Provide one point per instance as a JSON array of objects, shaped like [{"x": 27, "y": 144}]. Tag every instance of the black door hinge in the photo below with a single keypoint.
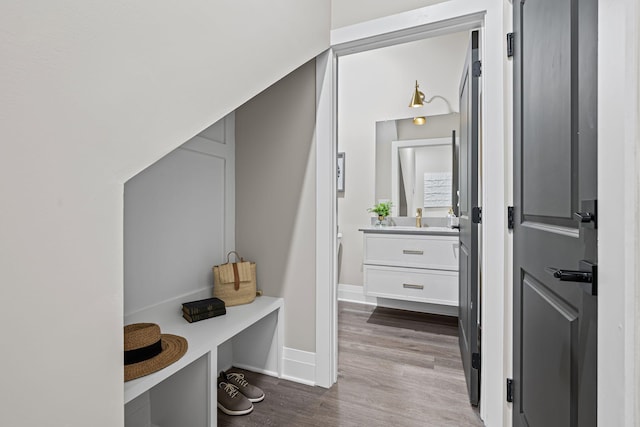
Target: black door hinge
[
  {"x": 509, "y": 390},
  {"x": 510, "y": 45},
  {"x": 477, "y": 68},
  {"x": 476, "y": 215},
  {"x": 510, "y": 223},
  {"x": 475, "y": 360}
]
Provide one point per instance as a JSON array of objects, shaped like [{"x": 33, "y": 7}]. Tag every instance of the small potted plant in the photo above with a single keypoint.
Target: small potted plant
[{"x": 383, "y": 210}]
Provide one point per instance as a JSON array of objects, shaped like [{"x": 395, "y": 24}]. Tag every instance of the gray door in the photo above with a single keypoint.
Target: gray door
[
  {"x": 468, "y": 200},
  {"x": 555, "y": 213}
]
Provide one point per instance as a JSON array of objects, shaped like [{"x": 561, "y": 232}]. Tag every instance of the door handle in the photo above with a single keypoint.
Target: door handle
[
  {"x": 587, "y": 276},
  {"x": 571, "y": 275},
  {"x": 588, "y": 214},
  {"x": 584, "y": 217}
]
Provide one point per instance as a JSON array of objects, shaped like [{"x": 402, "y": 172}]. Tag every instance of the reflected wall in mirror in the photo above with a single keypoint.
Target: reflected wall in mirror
[{"x": 414, "y": 165}]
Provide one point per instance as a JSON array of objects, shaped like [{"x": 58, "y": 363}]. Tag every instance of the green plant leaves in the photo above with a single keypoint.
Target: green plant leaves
[{"x": 383, "y": 209}]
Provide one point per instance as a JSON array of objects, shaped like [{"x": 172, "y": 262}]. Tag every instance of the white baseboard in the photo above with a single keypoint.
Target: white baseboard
[
  {"x": 299, "y": 366},
  {"x": 354, "y": 293},
  {"x": 256, "y": 370}
]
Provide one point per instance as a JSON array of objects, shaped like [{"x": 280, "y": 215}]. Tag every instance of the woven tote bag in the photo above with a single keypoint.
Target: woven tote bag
[{"x": 235, "y": 282}]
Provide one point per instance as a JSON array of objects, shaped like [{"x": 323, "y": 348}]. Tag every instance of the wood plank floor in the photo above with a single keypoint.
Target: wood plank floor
[{"x": 395, "y": 368}]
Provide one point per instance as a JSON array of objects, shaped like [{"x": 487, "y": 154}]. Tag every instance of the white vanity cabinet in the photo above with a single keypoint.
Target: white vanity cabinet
[{"x": 412, "y": 265}]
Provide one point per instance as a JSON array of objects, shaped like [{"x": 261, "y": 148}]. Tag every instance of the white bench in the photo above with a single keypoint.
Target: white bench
[{"x": 184, "y": 393}]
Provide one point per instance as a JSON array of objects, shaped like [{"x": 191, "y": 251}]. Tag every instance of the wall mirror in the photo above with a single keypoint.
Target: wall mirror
[{"x": 415, "y": 165}]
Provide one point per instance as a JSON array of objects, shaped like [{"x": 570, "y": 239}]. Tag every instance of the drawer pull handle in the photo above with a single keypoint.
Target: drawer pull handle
[
  {"x": 410, "y": 286},
  {"x": 412, "y": 252}
]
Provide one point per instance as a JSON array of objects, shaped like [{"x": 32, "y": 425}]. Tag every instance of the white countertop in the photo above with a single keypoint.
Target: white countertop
[{"x": 396, "y": 229}]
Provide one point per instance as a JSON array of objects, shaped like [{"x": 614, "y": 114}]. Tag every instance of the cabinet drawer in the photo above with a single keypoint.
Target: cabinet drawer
[
  {"x": 438, "y": 252},
  {"x": 432, "y": 286}
]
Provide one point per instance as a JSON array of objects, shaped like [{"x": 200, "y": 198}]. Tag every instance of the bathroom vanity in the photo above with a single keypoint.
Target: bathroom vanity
[{"x": 411, "y": 264}]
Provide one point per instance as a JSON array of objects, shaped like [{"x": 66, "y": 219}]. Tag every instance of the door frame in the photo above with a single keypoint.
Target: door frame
[{"x": 431, "y": 21}]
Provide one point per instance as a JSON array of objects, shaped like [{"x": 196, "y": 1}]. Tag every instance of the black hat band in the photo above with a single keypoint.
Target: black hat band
[{"x": 143, "y": 353}]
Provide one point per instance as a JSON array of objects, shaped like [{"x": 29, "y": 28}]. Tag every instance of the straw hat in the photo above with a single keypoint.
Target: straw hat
[{"x": 146, "y": 350}]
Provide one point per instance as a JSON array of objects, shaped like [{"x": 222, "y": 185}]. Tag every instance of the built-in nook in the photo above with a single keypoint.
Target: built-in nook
[
  {"x": 178, "y": 223},
  {"x": 245, "y": 183}
]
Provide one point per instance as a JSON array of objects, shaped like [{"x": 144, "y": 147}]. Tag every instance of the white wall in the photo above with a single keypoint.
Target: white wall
[
  {"x": 377, "y": 85},
  {"x": 348, "y": 12},
  {"x": 275, "y": 197},
  {"x": 618, "y": 210},
  {"x": 92, "y": 93}
]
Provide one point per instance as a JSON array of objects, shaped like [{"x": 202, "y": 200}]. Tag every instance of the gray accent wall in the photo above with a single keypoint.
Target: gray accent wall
[{"x": 275, "y": 197}]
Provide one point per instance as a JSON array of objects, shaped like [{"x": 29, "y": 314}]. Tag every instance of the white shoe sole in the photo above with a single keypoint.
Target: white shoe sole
[
  {"x": 256, "y": 400},
  {"x": 230, "y": 412}
]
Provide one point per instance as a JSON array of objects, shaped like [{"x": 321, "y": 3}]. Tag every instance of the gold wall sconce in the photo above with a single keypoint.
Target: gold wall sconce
[{"x": 417, "y": 101}]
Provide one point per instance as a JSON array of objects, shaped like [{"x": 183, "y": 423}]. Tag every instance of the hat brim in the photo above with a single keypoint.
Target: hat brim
[{"x": 173, "y": 348}]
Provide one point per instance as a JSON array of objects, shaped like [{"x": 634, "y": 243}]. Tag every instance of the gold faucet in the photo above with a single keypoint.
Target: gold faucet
[{"x": 419, "y": 217}]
